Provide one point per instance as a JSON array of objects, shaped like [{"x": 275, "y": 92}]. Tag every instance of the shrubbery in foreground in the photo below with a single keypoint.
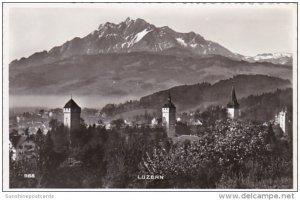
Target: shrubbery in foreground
[{"x": 235, "y": 155}]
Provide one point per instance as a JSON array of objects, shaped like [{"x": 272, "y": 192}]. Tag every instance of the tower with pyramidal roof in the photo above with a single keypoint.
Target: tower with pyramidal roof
[
  {"x": 72, "y": 115},
  {"x": 169, "y": 117}
]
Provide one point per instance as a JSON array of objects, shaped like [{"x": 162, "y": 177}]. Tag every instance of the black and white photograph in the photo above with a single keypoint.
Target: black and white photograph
[{"x": 147, "y": 96}]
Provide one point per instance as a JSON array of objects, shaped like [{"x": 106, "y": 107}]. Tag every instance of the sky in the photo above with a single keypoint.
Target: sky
[{"x": 248, "y": 29}]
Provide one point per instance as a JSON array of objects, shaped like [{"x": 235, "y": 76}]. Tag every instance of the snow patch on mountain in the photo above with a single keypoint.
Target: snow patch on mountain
[
  {"x": 140, "y": 35},
  {"x": 276, "y": 58},
  {"x": 193, "y": 45},
  {"x": 123, "y": 44},
  {"x": 181, "y": 41},
  {"x": 271, "y": 56},
  {"x": 111, "y": 35}
]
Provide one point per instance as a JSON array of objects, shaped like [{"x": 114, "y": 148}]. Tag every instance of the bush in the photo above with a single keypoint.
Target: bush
[{"x": 233, "y": 152}]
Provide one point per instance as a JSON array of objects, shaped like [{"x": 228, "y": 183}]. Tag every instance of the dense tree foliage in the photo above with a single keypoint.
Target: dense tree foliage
[
  {"x": 233, "y": 149},
  {"x": 227, "y": 154},
  {"x": 264, "y": 107},
  {"x": 113, "y": 109},
  {"x": 50, "y": 151}
]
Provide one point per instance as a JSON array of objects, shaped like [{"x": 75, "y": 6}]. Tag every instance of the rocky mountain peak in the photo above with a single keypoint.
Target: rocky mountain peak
[{"x": 135, "y": 35}]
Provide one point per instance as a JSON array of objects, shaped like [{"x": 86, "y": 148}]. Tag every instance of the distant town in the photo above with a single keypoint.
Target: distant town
[{"x": 29, "y": 132}]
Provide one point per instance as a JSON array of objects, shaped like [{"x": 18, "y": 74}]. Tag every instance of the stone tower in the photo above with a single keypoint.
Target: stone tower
[
  {"x": 72, "y": 115},
  {"x": 169, "y": 117},
  {"x": 233, "y": 107},
  {"x": 282, "y": 120}
]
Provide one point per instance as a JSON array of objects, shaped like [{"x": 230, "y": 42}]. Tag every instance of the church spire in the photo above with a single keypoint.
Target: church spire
[
  {"x": 233, "y": 100},
  {"x": 233, "y": 95},
  {"x": 169, "y": 104},
  {"x": 169, "y": 98}
]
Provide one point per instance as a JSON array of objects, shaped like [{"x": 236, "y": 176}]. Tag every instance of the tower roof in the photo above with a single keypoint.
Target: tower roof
[
  {"x": 233, "y": 103},
  {"x": 71, "y": 104},
  {"x": 169, "y": 104}
]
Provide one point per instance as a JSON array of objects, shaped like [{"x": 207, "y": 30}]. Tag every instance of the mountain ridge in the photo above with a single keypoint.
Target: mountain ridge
[
  {"x": 136, "y": 66},
  {"x": 128, "y": 36},
  {"x": 282, "y": 58},
  {"x": 201, "y": 95},
  {"x": 135, "y": 73},
  {"x": 137, "y": 36}
]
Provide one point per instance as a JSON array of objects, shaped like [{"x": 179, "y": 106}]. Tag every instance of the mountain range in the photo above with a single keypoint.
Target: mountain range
[
  {"x": 135, "y": 58},
  {"x": 276, "y": 58},
  {"x": 139, "y": 36},
  {"x": 129, "y": 36}
]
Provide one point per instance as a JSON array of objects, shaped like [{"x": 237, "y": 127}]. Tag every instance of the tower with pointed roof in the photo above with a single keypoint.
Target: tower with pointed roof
[
  {"x": 233, "y": 107},
  {"x": 72, "y": 115},
  {"x": 169, "y": 117}
]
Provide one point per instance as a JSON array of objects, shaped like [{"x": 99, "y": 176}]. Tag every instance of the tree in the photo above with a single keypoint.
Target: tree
[
  {"x": 26, "y": 131},
  {"x": 109, "y": 109},
  {"x": 13, "y": 133},
  {"x": 54, "y": 124},
  {"x": 118, "y": 123},
  {"x": 41, "y": 111},
  {"x": 182, "y": 129},
  {"x": 225, "y": 151},
  {"x": 211, "y": 115},
  {"x": 50, "y": 159}
]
